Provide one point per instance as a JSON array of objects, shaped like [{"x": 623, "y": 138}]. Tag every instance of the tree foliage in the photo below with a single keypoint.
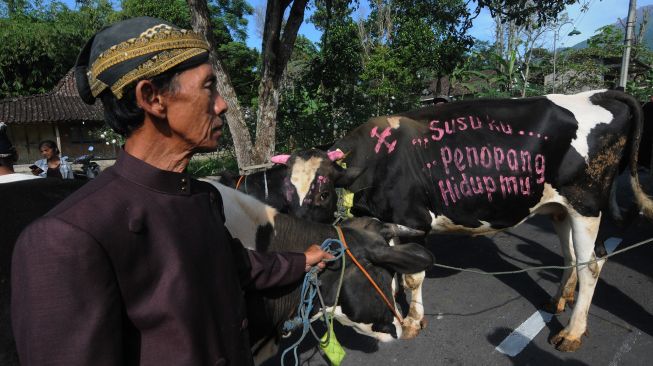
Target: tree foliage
[{"x": 39, "y": 43}]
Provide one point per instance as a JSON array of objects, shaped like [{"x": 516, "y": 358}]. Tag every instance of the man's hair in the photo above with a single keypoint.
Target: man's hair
[{"x": 123, "y": 115}]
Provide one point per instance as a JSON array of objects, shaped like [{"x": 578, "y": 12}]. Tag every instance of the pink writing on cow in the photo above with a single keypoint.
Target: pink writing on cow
[
  {"x": 499, "y": 126},
  {"x": 450, "y": 127},
  {"x": 489, "y": 157},
  {"x": 539, "y": 168},
  {"x": 452, "y": 191},
  {"x": 382, "y": 139}
]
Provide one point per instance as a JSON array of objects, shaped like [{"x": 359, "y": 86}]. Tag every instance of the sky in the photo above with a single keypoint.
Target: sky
[{"x": 600, "y": 13}]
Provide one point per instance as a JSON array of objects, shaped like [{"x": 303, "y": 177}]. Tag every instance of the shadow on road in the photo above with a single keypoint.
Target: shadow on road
[
  {"x": 531, "y": 355},
  {"x": 484, "y": 254}
]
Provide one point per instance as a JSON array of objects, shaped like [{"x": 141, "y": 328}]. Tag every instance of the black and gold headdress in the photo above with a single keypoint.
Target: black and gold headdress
[{"x": 132, "y": 50}]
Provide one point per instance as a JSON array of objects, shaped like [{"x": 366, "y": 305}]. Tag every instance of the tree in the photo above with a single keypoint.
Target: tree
[
  {"x": 40, "y": 43},
  {"x": 387, "y": 77},
  {"x": 522, "y": 11},
  {"x": 278, "y": 42}
]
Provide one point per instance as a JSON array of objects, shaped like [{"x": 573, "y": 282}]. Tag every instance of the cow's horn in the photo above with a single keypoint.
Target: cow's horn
[
  {"x": 404, "y": 231},
  {"x": 280, "y": 159}
]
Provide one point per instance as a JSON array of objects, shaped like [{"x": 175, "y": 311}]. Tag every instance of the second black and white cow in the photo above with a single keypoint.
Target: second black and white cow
[
  {"x": 263, "y": 228},
  {"x": 302, "y": 184},
  {"x": 481, "y": 166}
]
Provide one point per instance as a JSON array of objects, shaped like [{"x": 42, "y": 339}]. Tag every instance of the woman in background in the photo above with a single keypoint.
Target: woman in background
[{"x": 51, "y": 166}]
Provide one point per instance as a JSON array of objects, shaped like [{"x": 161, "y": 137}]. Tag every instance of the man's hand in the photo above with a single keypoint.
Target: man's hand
[{"x": 316, "y": 256}]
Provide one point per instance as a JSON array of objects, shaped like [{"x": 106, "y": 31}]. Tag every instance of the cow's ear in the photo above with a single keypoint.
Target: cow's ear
[
  {"x": 280, "y": 159},
  {"x": 404, "y": 258},
  {"x": 348, "y": 177}
]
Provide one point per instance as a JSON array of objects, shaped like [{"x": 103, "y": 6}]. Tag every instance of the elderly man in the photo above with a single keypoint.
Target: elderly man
[{"x": 136, "y": 267}]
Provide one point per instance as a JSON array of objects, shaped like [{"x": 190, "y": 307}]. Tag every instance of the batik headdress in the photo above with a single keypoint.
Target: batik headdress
[{"x": 135, "y": 49}]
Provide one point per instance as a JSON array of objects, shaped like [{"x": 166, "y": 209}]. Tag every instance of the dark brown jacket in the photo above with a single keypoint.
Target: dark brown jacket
[{"x": 136, "y": 268}]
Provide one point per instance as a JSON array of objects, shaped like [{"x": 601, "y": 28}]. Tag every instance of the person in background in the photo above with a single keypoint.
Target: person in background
[
  {"x": 51, "y": 166},
  {"x": 8, "y": 157},
  {"x": 137, "y": 267}
]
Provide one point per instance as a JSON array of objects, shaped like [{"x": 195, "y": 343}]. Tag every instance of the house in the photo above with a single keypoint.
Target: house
[{"x": 59, "y": 115}]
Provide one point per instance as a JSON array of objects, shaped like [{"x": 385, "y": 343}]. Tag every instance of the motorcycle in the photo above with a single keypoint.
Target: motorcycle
[{"x": 89, "y": 169}]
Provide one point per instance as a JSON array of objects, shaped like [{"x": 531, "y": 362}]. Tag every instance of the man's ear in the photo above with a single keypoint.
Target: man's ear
[{"x": 150, "y": 99}]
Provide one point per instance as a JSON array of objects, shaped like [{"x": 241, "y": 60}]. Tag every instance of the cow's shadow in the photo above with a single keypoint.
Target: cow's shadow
[{"x": 486, "y": 254}]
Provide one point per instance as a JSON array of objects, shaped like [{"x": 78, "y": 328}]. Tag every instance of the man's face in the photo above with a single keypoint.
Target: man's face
[{"x": 194, "y": 109}]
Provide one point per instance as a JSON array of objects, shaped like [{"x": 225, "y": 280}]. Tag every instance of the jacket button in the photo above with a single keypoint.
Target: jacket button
[
  {"x": 221, "y": 362},
  {"x": 244, "y": 324}
]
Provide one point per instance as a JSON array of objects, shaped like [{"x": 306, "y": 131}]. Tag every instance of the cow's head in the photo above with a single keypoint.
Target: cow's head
[
  {"x": 360, "y": 306},
  {"x": 309, "y": 186}
]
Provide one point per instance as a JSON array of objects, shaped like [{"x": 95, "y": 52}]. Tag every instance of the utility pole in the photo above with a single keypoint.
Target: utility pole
[{"x": 625, "y": 61}]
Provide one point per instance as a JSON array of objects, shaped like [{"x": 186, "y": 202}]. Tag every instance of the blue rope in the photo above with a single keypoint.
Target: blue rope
[{"x": 310, "y": 288}]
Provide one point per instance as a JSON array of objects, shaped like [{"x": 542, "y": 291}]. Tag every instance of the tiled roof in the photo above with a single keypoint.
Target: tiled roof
[{"x": 62, "y": 104}]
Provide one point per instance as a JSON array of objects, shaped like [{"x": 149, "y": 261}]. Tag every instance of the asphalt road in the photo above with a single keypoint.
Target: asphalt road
[{"x": 469, "y": 314}]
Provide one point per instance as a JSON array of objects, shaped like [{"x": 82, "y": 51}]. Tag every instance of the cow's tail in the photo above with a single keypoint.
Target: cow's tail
[{"x": 644, "y": 202}]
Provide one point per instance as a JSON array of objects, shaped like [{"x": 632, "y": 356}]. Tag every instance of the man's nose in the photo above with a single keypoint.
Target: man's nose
[{"x": 220, "y": 105}]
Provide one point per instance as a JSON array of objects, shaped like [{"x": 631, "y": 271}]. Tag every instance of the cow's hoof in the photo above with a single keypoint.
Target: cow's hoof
[
  {"x": 423, "y": 323},
  {"x": 410, "y": 328},
  {"x": 563, "y": 343},
  {"x": 554, "y": 306}
]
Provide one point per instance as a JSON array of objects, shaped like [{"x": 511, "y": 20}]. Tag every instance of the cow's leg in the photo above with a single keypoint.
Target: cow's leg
[
  {"x": 566, "y": 291},
  {"x": 615, "y": 211},
  {"x": 414, "y": 322},
  {"x": 584, "y": 232}
]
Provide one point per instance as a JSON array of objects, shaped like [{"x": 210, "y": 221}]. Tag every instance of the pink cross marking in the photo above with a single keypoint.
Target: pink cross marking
[{"x": 382, "y": 139}]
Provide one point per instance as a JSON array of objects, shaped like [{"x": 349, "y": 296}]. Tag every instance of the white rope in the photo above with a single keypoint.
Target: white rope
[
  {"x": 265, "y": 180},
  {"x": 545, "y": 267}
]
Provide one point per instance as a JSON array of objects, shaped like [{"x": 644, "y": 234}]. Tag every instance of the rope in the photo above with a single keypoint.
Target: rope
[
  {"x": 546, "y": 267},
  {"x": 265, "y": 181},
  {"x": 239, "y": 180},
  {"x": 310, "y": 288},
  {"x": 369, "y": 278}
]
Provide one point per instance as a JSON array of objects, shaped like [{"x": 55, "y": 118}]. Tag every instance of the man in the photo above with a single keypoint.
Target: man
[
  {"x": 136, "y": 267},
  {"x": 9, "y": 156}
]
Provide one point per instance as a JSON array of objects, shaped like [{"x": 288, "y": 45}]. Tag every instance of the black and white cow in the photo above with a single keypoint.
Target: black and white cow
[
  {"x": 481, "y": 166},
  {"x": 302, "y": 184},
  {"x": 262, "y": 227}
]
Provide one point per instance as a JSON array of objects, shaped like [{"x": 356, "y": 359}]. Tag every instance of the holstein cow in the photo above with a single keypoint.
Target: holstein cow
[
  {"x": 485, "y": 165},
  {"x": 263, "y": 228},
  {"x": 302, "y": 184}
]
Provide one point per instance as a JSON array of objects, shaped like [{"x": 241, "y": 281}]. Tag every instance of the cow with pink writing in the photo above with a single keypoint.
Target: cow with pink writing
[{"x": 480, "y": 166}]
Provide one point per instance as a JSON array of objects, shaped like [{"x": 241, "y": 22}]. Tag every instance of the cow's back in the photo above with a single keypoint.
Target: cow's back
[{"x": 486, "y": 162}]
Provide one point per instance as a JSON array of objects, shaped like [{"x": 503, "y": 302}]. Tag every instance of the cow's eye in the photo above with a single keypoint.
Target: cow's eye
[{"x": 324, "y": 196}]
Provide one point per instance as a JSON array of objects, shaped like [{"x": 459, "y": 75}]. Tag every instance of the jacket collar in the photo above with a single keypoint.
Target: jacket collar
[{"x": 144, "y": 174}]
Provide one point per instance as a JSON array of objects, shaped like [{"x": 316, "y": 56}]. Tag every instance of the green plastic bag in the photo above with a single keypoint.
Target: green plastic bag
[{"x": 332, "y": 349}]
